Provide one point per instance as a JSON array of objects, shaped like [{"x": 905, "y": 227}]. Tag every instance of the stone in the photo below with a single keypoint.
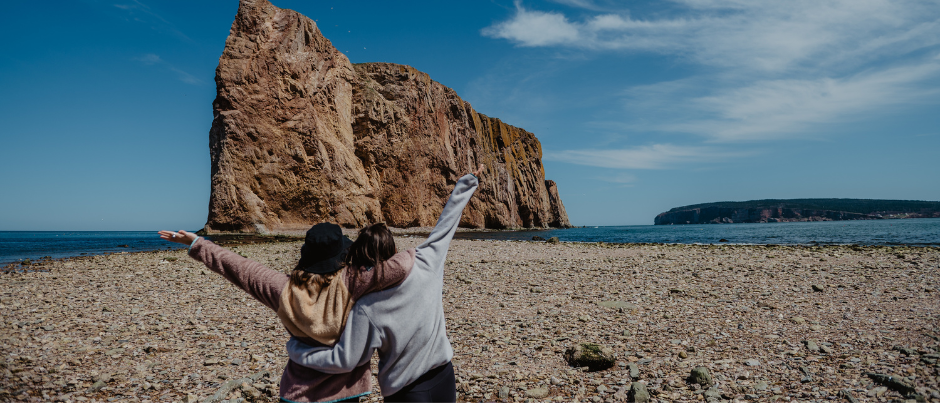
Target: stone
[
  {"x": 811, "y": 345},
  {"x": 683, "y": 355},
  {"x": 701, "y": 376},
  {"x": 892, "y": 382},
  {"x": 503, "y": 392},
  {"x": 818, "y": 288},
  {"x": 191, "y": 398},
  {"x": 590, "y": 355},
  {"x": 638, "y": 393},
  {"x": 553, "y": 239},
  {"x": 537, "y": 393},
  {"x": 760, "y": 385},
  {"x": 751, "y": 362},
  {"x": 300, "y": 135},
  {"x": 712, "y": 394},
  {"x": 97, "y": 386},
  {"x": 602, "y": 389},
  {"x": 634, "y": 370}
]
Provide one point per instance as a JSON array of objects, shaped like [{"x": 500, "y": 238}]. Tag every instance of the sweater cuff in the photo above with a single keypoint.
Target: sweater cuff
[{"x": 194, "y": 243}]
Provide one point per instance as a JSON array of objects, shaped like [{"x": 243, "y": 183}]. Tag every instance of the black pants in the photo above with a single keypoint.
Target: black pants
[{"x": 437, "y": 385}]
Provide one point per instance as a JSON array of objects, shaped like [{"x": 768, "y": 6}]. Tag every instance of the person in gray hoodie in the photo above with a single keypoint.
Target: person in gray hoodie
[{"x": 405, "y": 323}]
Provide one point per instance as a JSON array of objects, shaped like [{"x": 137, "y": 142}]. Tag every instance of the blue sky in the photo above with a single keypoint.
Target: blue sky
[{"x": 640, "y": 106}]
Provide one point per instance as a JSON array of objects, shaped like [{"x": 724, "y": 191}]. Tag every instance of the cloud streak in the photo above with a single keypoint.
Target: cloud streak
[
  {"x": 655, "y": 156},
  {"x": 151, "y": 59},
  {"x": 762, "y": 71},
  {"x": 142, "y": 13}
]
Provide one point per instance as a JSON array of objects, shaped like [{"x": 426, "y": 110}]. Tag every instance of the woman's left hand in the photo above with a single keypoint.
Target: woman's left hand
[{"x": 183, "y": 237}]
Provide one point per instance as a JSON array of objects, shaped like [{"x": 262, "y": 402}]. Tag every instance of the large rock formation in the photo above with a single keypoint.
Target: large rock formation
[{"x": 302, "y": 136}]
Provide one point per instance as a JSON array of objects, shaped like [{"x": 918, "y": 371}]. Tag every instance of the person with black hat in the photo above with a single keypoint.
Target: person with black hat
[
  {"x": 405, "y": 324},
  {"x": 314, "y": 301}
]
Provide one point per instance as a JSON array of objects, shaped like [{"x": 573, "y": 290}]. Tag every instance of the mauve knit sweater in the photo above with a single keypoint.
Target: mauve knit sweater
[{"x": 298, "y": 383}]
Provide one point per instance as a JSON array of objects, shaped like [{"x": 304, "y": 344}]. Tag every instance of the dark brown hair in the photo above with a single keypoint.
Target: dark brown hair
[{"x": 374, "y": 245}]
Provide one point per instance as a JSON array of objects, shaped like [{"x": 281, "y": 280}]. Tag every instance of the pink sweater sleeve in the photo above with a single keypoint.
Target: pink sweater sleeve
[
  {"x": 390, "y": 273},
  {"x": 260, "y": 282}
]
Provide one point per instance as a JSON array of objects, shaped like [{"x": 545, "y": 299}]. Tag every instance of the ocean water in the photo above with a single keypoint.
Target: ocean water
[
  {"x": 912, "y": 232},
  {"x": 19, "y": 245}
]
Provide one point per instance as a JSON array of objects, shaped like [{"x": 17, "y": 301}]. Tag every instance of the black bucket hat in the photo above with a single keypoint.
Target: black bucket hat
[{"x": 324, "y": 249}]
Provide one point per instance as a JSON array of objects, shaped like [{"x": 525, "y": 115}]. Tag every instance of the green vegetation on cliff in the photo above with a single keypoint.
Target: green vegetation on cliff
[{"x": 860, "y": 206}]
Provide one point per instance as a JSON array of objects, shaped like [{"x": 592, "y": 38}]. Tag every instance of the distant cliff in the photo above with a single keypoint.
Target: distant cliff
[
  {"x": 300, "y": 136},
  {"x": 777, "y": 210}
]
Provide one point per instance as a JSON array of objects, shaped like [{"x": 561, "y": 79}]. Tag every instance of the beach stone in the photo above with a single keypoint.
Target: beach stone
[
  {"x": 638, "y": 393},
  {"x": 811, "y": 345},
  {"x": 97, "y": 386},
  {"x": 634, "y": 370},
  {"x": 752, "y": 362},
  {"x": 591, "y": 355},
  {"x": 712, "y": 394},
  {"x": 818, "y": 288},
  {"x": 701, "y": 376},
  {"x": 553, "y": 239},
  {"x": 503, "y": 392},
  {"x": 760, "y": 385},
  {"x": 537, "y": 393},
  {"x": 825, "y": 349}
]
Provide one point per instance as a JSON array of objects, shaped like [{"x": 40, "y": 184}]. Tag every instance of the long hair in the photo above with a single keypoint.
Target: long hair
[
  {"x": 373, "y": 246},
  {"x": 300, "y": 278}
]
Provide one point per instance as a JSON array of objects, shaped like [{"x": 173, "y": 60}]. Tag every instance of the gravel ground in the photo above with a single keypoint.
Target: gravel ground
[{"x": 770, "y": 323}]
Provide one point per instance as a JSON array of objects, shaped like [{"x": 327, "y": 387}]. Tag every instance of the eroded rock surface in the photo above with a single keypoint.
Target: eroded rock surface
[{"x": 301, "y": 136}]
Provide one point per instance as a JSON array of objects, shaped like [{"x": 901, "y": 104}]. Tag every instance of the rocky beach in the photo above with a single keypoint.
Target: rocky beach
[{"x": 748, "y": 323}]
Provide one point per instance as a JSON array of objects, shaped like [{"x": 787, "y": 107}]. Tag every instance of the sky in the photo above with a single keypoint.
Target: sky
[{"x": 640, "y": 106}]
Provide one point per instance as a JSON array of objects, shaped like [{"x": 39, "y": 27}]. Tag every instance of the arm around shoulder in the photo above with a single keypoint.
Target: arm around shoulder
[{"x": 353, "y": 349}]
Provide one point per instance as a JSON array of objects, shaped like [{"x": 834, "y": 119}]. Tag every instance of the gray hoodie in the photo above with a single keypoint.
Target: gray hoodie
[{"x": 405, "y": 324}]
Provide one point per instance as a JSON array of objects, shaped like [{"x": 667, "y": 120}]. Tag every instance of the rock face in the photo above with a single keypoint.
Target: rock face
[{"x": 300, "y": 135}]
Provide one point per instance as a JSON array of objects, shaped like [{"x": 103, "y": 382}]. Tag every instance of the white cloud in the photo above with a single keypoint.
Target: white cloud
[
  {"x": 760, "y": 70},
  {"x": 655, "y": 156},
  {"x": 535, "y": 28}
]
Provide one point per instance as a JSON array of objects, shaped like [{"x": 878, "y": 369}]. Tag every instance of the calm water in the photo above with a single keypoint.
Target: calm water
[
  {"x": 18, "y": 245},
  {"x": 914, "y": 232}
]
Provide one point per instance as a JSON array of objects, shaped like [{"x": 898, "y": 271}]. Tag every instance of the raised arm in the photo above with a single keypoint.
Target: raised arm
[
  {"x": 434, "y": 251},
  {"x": 254, "y": 278},
  {"x": 353, "y": 349}
]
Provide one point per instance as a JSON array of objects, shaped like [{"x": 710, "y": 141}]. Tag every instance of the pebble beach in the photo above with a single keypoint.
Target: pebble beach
[{"x": 765, "y": 323}]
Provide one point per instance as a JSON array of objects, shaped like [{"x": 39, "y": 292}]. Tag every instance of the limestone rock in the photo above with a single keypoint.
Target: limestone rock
[
  {"x": 701, "y": 376},
  {"x": 638, "y": 393},
  {"x": 300, "y": 135},
  {"x": 590, "y": 355}
]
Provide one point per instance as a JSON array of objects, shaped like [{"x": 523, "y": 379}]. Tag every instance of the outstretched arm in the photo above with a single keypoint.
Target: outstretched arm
[
  {"x": 353, "y": 349},
  {"x": 434, "y": 250},
  {"x": 254, "y": 278}
]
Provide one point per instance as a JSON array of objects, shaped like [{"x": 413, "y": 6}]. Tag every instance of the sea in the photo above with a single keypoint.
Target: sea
[{"x": 19, "y": 245}]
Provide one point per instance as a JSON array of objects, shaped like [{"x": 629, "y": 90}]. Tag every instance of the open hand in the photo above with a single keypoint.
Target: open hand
[
  {"x": 183, "y": 237},
  {"x": 478, "y": 171}
]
